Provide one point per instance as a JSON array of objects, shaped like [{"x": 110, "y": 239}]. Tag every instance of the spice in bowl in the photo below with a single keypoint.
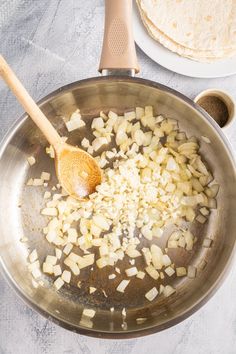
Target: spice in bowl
[{"x": 216, "y": 108}]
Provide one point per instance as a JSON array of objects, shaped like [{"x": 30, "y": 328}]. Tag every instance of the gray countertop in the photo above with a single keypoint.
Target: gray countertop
[{"x": 50, "y": 44}]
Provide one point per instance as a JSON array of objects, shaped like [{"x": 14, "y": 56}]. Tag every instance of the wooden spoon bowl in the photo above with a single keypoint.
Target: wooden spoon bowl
[{"x": 77, "y": 171}]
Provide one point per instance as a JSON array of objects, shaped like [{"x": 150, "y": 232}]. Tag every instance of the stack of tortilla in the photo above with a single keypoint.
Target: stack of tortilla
[{"x": 202, "y": 30}]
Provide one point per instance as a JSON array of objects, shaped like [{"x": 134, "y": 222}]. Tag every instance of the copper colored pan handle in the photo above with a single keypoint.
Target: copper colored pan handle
[{"x": 118, "y": 52}]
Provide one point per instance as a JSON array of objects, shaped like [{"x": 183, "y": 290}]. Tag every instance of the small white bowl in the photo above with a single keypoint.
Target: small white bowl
[{"x": 226, "y": 98}]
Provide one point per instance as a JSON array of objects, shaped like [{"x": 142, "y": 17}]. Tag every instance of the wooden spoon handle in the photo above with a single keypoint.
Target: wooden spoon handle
[{"x": 28, "y": 103}]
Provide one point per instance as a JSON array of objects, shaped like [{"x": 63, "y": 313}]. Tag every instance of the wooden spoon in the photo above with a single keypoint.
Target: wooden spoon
[{"x": 77, "y": 171}]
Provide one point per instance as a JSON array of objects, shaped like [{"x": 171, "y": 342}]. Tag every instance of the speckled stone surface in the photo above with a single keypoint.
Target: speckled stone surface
[{"x": 49, "y": 44}]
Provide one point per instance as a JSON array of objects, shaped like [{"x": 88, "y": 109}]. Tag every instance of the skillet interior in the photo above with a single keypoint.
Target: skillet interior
[{"x": 20, "y": 213}]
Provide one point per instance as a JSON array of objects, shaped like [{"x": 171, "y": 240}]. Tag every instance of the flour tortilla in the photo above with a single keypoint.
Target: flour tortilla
[
  {"x": 203, "y": 56},
  {"x": 203, "y": 46}
]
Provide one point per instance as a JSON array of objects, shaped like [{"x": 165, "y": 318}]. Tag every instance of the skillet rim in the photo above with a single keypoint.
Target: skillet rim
[{"x": 203, "y": 299}]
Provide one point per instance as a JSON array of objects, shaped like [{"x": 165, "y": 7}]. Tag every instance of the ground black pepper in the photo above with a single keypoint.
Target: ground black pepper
[{"x": 216, "y": 108}]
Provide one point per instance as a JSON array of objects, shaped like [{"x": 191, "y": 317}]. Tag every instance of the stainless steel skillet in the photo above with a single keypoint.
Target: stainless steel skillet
[{"x": 21, "y": 205}]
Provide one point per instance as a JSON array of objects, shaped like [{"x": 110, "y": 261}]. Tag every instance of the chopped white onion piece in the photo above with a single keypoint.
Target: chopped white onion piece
[
  {"x": 51, "y": 260},
  {"x": 72, "y": 235},
  {"x": 103, "y": 250},
  {"x": 75, "y": 123},
  {"x": 101, "y": 222},
  {"x": 57, "y": 270},
  {"x": 206, "y": 139},
  {"x": 130, "y": 115},
  {"x": 49, "y": 212},
  {"x": 169, "y": 271},
  {"x": 85, "y": 143},
  {"x": 31, "y": 160},
  {"x": 117, "y": 270},
  {"x": 130, "y": 272},
  {"x": 191, "y": 272},
  {"x": 34, "y": 265},
  {"x": 66, "y": 276},
  {"x": 172, "y": 244},
  {"x": 92, "y": 290},
  {"x": 166, "y": 260},
  {"x": 151, "y": 294},
  {"x": 168, "y": 291},
  {"x": 122, "y": 286},
  {"x": 45, "y": 176},
  {"x": 86, "y": 261},
  {"x": 161, "y": 289},
  {"x": 75, "y": 269},
  {"x": 111, "y": 276},
  {"x": 133, "y": 253},
  {"x": 181, "y": 271},
  {"x": 33, "y": 256},
  {"x": 204, "y": 211},
  {"x": 200, "y": 218},
  {"x": 74, "y": 257},
  {"x": 47, "y": 195},
  {"x": 98, "y": 143},
  {"x": 67, "y": 249},
  {"x": 139, "y": 112},
  {"x": 101, "y": 262},
  {"x": 207, "y": 242},
  {"x": 36, "y": 273},
  {"x": 147, "y": 255},
  {"x": 58, "y": 283},
  {"x": 152, "y": 272},
  {"x": 157, "y": 256},
  {"x": 89, "y": 313},
  {"x": 37, "y": 182},
  {"x": 48, "y": 268},
  {"x": 30, "y": 182},
  {"x": 140, "y": 274}
]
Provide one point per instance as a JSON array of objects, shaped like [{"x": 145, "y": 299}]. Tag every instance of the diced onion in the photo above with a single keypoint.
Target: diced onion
[
  {"x": 58, "y": 283},
  {"x": 169, "y": 271},
  {"x": 36, "y": 273},
  {"x": 122, "y": 286},
  {"x": 200, "y": 218},
  {"x": 168, "y": 291},
  {"x": 89, "y": 313},
  {"x": 57, "y": 270},
  {"x": 153, "y": 178},
  {"x": 48, "y": 268},
  {"x": 66, "y": 276},
  {"x": 191, "y": 272},
  {"x": 74, "y": 124},
  {"x": 111, "y": 276},
  {"x": 45, "y": 176},
  {"x": 130, "y": 272},
  {"x": 92, "y": 290},
  {"x": 31, "y": 160},
  {"x": 51, "y": 260},
  {"x": 33, "y": 256},
  {"x": 152, "y": 272},
  {"x": 207, "y": 242},
  {"x": 140, "y": 274},
  {"x": 151, "y": 294},
  {"x": 181, "y": 271},
  {"x": 68, "y": 248}
]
